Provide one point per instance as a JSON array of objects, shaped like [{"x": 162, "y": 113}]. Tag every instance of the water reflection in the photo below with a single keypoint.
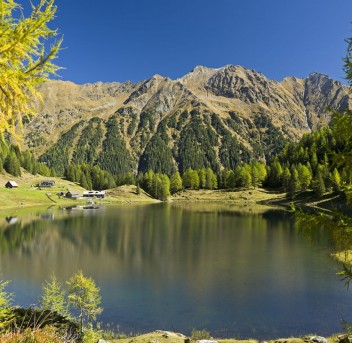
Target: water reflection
[{"x": 183, "y": 267}]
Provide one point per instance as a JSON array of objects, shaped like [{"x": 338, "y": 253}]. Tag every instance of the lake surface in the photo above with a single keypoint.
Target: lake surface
[{"x": 183, "y": 267}]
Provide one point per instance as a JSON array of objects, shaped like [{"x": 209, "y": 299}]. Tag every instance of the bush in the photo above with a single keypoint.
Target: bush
[
  {"x": 200, "y": 334},
  {"x": 48, "y": 334}
]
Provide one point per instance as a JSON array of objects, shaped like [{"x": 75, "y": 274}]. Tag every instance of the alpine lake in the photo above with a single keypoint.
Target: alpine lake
[{"x": 183, "y": 266}]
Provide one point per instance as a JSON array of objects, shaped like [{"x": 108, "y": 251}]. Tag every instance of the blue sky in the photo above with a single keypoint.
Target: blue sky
[{"x": 119, "y": 40}]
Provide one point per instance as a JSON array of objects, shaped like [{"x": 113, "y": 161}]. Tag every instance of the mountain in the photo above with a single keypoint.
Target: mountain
[{"x": 209, "y": 117}]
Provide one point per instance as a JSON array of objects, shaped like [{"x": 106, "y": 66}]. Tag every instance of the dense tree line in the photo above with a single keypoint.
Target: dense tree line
[
  {"x": 90, "y": 177},
  {"x": 87, "y": 146},
  {"x": 114, "y": 156},
  {"x": 57, "y": 157},
  {"x": 12, "y": 159},
  {"x": 311, "y": 163},
  {"x": 308, "y": 164}
]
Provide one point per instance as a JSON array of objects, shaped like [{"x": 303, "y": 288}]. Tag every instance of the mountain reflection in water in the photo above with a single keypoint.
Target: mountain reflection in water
[{"x": 180, "y": 267}]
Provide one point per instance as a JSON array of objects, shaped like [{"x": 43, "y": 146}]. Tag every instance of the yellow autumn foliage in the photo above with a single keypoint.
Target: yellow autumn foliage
[{"x": 25, "y": 58}]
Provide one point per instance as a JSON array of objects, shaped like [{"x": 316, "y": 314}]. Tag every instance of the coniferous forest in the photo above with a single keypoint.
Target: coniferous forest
[{"x": 307, "y": 164}]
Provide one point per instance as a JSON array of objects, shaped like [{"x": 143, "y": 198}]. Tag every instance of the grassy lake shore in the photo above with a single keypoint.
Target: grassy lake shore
[{"x": 172, "y": 337}]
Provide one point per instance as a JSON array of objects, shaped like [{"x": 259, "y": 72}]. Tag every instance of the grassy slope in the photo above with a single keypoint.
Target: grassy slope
[
  {"x": 26, "y": 195},
  {"x": 255, "y": 200}
]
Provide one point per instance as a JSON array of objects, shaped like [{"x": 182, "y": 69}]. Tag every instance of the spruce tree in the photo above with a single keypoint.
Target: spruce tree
[
  {"x": 231, "y": 179},
  {"x": 319, "y": 184},
  {"x": 286, "y": 179},
  {"x": 12, "y": 164}
]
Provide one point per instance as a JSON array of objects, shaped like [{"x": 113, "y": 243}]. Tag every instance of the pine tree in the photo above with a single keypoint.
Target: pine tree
[
  {"x": 41, "y": 169},
  {"x": 319, "y": 184},
  {"x": 231, "y": 179},
  {"x": 12, "y": 164},
  {"x": 83, "y": 181}
]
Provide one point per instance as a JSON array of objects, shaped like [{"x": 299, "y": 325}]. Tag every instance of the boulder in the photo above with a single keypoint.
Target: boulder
[{"x": 318, "y": 339}]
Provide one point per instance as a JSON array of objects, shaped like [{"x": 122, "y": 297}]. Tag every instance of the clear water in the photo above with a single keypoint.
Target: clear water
[{"x": 183, "y": 267}]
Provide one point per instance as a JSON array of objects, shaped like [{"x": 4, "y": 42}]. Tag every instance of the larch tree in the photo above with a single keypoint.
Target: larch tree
[
  {"x": 54, "y": 297},
  {"x": 25, "y": 59},
  {"x": 175, "y": 183},
  {"x": 5, "y": 311},
  {"x": 83, "y": 295}
]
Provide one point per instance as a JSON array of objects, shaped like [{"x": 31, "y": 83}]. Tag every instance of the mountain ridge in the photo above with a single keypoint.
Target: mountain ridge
[{"x": 218, "y": 116}]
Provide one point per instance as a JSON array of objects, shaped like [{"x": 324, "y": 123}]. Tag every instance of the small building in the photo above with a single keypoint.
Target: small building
[
  {"x": 72, "y": 194},
  {"x": 11, "y": 184},
  {"x": 94, "y": 194},
  {"x": 47, "y": 183}
]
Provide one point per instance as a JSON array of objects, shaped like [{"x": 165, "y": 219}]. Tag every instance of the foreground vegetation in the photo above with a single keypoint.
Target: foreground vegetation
[{"x": 62, "y": 315}]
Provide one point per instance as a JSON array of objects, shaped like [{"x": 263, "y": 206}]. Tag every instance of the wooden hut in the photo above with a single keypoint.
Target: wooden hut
[{"x": 11, "y": 184}]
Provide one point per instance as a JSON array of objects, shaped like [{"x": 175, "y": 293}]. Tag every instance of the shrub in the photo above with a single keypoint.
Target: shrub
[{"x": 200, "y": 334}]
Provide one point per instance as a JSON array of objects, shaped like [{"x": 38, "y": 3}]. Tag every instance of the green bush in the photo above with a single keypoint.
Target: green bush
[{"x": 200, "y": 334}]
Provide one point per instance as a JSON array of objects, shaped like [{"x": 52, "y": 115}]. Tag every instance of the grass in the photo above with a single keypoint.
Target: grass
[
  {"x": 29, "y": 196},
  {"x": 172, "y": 337},
  {"x": 246, "y": 200}
]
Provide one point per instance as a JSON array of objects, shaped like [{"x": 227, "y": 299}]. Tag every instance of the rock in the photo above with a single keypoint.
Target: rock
[
  {"x": 318, "y": 339},
  {"x": 206, "y": 341}
]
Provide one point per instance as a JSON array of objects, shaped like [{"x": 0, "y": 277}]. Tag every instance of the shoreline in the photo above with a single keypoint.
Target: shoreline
[{"x": 162, "y": 336}]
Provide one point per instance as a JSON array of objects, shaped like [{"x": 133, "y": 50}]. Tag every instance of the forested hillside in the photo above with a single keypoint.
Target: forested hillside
[{"x": 210, "y": 118}]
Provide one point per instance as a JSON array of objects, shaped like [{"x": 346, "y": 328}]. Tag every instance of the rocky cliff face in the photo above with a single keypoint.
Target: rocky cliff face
[{"x": 209, "y": 117}]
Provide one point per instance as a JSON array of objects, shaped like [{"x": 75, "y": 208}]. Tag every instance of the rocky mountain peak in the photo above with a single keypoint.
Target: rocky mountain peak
[{"x": 222, "y": 115}]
